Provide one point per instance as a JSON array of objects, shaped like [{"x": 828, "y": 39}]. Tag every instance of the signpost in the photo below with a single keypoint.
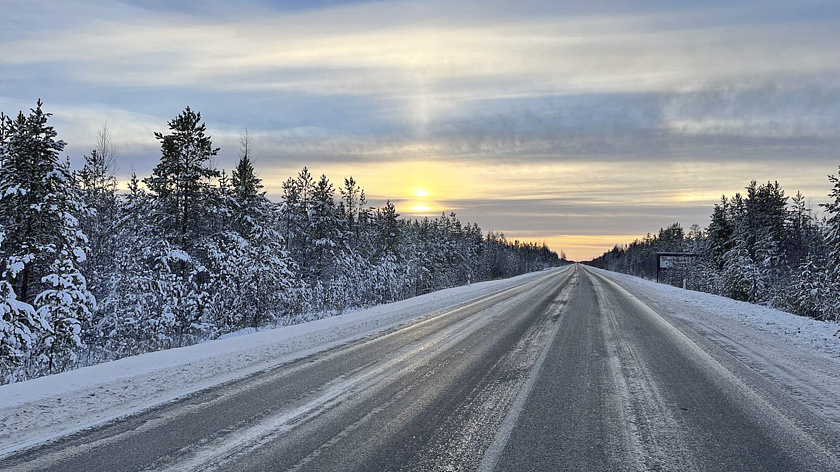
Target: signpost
[{"x": 673, "y": 260}]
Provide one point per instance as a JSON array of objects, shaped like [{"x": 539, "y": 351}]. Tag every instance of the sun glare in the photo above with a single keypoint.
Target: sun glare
[
  {"x": 419, "y": 208},
  {"x": 421, "y": 192}
]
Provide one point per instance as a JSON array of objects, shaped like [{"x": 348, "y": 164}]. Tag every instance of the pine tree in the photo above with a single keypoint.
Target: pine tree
[
  {"x": 352, "y": 200},
  {"x": 289, "y": 211},
  {"x": 181, "y": 180},
  {"x": 765, "y": 211},
  {"x": 352, "y": 265},
  {"x": 297, "y": 208},
  {"x": 184, "y": 205}
]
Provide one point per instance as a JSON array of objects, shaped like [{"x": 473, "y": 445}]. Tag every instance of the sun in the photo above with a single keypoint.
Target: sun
[{"x": 421, "y": 192}]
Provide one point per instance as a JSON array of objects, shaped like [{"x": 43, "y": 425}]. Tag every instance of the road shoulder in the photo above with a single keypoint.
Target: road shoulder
[{"x": 798, "y": 354}]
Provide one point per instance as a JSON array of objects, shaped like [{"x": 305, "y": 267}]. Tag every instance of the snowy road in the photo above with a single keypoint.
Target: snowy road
[{"x": 570, "y": 371}]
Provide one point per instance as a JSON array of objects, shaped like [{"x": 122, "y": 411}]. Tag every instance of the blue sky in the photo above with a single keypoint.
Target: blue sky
[{"x": 584, "y": 124}]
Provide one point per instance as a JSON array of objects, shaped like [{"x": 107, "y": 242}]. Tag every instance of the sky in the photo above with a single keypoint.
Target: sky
[{"x": 583, "y": 124}]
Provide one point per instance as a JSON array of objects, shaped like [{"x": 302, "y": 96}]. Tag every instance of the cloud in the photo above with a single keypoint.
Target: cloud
[
  {"x": 372, "y": 49},
  {"x": 568, "y": 114},
  {"x": 479, "y": 81}
]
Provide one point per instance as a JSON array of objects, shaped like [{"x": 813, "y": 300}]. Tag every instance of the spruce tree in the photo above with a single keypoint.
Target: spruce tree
[
  {"x": 245, "y": 183},
  {"x": 325, "y": 230},
  {"x": 350, "y": 208},
  {"x": 832, "y": 209},
  {"x": 42, "y": 245},
  {"x": 388, "y": 230}
]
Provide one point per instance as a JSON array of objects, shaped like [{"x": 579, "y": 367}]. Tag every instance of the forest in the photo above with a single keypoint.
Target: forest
[
  {"x": 90, "y": 273},
  {"x": 760, "y": 247}
]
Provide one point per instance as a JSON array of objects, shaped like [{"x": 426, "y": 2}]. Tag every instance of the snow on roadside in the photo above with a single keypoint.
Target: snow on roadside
[
  {"x": 806, "y": 333},
  {"x": 41, "y": 409},
  {"x": 801, "y": 355}
]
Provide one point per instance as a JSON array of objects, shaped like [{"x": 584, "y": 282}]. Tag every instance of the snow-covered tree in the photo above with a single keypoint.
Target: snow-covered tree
[
  {"x": 720, "y": 233},
  {"x": 296, "y": 210},
  {"x": 813, "y": 294},
  {"x": 351, "y": 206},
  {"x": 199, "y": 255},
  {"x": 387, "y": 231},
  {"x": 249, "y": 276},
  {"x": 741, "y": 278},
  {"x": 184, "y": 206},
  {"x": 832, "y": 209},
  {"x": 99, "y": 193},
  {"x": 132, "y": 311},
  {"x": 42, "y": 246},
  {"x": 325, "y": 231},
  {"x": 66, "y": 304}
]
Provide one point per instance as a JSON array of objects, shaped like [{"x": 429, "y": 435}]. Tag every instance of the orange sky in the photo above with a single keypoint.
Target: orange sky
[{"x": 582, "y": 208}]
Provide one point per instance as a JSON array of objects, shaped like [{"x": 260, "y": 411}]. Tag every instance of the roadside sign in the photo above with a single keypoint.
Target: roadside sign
[
  {"x": 668, "y": 261},
  {"x": 673, "y": 260}
]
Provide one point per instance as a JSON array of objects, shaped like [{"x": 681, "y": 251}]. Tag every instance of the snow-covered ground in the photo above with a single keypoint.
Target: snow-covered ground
[
  {"x": 806, "y": 333},
  {"x": 801, "y": 355},
  {"x": 41, "y": 409}
]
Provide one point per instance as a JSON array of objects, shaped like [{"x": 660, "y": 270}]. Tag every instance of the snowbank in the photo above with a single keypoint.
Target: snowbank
[{"x": 812, "y": 335}]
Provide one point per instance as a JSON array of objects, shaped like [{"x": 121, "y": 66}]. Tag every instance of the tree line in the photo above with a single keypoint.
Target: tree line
[
  {"x": 90, "y": 273},
  {"x": 761, "y": 247}
]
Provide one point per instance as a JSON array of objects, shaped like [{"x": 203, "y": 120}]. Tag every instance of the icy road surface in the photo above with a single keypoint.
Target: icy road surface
[{"x": 574, "y": 369}]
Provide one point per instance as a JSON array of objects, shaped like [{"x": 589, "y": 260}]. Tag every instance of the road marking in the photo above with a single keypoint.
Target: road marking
[{"x": 494, "y": 451}]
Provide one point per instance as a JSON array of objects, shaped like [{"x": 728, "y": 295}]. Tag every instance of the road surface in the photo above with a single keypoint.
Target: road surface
[{"x": 566, "y": 372}]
